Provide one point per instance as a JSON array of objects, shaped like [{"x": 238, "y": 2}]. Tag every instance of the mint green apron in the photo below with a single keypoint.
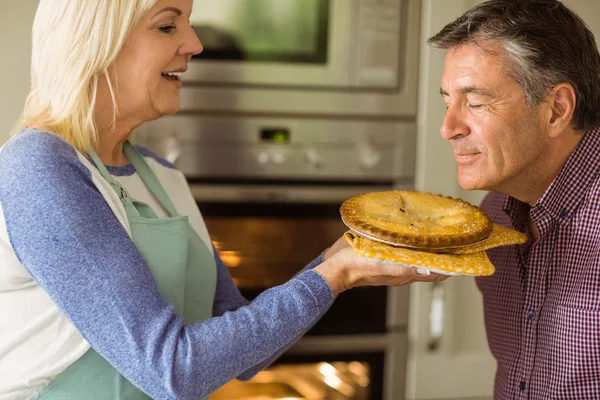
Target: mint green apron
[{"x": 184, "y": 270}]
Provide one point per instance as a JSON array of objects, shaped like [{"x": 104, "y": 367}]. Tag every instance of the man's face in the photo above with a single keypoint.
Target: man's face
[{"x": 497, "y": 139}]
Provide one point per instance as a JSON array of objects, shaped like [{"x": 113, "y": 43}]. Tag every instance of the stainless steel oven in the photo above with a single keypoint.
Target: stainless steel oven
[
  {"x": 270, "y": 191},
  {"x": 324, "y": 57}
]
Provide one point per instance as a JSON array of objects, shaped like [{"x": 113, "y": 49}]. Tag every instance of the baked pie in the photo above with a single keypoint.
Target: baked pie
[
  {"x": 414, "y": 219},
  {"x": 439, "y": 233}
]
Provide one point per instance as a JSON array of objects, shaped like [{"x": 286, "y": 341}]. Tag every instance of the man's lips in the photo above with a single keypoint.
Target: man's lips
[{"x": 465, "y": 158}]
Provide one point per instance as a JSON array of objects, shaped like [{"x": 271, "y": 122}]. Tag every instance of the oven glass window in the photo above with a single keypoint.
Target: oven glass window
[
  {"x": 262, "y": 30},
  {"x": 266, "y": 244},
  {"x": 340, "y": 380}
]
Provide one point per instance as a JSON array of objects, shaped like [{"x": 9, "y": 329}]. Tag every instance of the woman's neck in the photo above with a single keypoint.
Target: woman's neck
[
  {"x": 110, "y": 149},
  {"x": 111, "y": 136}
]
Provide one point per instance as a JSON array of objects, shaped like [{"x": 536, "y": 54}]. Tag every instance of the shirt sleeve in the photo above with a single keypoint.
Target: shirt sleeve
[{"x": 64, "y": 233}]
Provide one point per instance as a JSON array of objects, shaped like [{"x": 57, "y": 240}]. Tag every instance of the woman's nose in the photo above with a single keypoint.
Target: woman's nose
[
  {"x": 453, "y": 124},
  {"x": 191, "y": 45}
]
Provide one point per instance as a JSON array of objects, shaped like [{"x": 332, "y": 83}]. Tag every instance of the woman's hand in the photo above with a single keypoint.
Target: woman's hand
[
  {"x": 337, "y": 246},
  {"x": 344, "y": 269}
]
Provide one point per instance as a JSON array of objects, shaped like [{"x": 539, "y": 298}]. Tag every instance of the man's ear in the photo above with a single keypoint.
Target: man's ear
[{"x": 561, "y": 101}]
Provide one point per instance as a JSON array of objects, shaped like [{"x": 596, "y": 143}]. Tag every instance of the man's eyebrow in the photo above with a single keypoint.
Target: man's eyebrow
[
  {"x": 167, "y": 9},
  {"x": 469, "y": 89}
]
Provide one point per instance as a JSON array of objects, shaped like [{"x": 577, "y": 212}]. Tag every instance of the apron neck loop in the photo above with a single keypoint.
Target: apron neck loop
[
  {"x": 143, "y": 170},
  {"x": 148, "y": 177},
  {"x": 121, "y": 192}
]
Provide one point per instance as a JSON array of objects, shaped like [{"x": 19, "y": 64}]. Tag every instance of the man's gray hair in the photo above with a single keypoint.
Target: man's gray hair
[{"x": 546, "y": 44}]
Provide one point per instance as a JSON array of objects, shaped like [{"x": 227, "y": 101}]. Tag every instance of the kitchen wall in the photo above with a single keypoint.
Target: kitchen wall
[{"x": 15, "y": 44}]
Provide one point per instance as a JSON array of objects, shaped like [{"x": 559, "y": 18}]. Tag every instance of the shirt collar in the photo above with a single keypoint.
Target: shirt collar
[
  {"x": 565, "y": 192},
  {"x": 568, "y": 188},
  {"x": 518, "y": 212}
]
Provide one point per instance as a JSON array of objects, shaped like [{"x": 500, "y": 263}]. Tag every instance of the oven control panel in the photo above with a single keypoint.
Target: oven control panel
[{"x": 284, "y": 149}]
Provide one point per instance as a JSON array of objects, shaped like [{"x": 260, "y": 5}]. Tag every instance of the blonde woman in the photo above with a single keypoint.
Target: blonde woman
[{"x": 109, "y": 285}]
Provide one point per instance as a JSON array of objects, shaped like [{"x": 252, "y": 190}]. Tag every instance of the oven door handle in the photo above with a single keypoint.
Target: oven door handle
[
  {"x": 281, "y": 193},
  {"x": 436, "y": 317}
]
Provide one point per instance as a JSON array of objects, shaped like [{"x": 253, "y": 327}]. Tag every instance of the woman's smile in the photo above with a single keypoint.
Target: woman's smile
[{"x": 174, "y": 77}]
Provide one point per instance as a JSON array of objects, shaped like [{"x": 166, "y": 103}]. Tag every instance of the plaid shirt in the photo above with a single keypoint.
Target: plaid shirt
[{"x": 542, "y": 306}]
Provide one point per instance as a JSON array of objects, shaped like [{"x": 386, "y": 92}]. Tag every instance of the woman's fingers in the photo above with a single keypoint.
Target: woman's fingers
[
  {"x": 345, "y": 269},
  {"x": 337, "y": 246}
]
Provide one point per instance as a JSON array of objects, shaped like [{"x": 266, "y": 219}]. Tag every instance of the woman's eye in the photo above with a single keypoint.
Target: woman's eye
[
  {"x": 471, "y": 105},
  {"x": 167, "y": 28}
]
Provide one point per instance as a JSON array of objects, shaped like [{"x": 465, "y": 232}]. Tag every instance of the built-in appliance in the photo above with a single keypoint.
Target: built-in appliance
[
  {"x": 312, "y": 57},
  {"x": 270, "y": 191}
]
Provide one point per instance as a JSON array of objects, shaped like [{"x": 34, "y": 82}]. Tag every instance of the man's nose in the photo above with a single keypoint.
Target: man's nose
[{"x": 453, "y": 124}]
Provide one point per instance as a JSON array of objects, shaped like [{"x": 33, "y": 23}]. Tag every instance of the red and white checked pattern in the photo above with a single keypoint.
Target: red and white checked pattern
[{"x": 542, "y": 306}]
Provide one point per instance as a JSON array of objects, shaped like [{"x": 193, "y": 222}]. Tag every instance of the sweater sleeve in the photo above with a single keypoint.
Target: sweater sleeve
[
  {"x": 64, "y": 233},
  {"x": 227, "y": 295},
  {"x": 255, "y": 369}
]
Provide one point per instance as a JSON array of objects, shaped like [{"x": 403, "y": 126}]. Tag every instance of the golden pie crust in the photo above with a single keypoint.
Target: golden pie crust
[
  {"x": 413, "y": 229},
  {"x": 414, "y": 219},
  {"x": 468, "y": 260},
  {"x": 476, "y": 264}
]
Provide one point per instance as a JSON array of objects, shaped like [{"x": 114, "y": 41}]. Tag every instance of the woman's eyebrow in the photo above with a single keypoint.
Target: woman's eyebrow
[{"x": 172, "y": 9}]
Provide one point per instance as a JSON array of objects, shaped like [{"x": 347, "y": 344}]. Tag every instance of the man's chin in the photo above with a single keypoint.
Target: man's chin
[{"x": 471, "y": 183}]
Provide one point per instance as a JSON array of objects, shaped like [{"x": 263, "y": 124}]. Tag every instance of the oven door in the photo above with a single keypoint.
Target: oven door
[
  {"x": 265, "y": 237},
  {"x": 317, "y": 57},
  {"x": 265, "y": 245},
  {"x": 297, "y": 42},
  {"x": 360, "y": 367}
]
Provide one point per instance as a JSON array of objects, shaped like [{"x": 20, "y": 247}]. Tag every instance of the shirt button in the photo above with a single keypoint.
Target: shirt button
[
  {"x": 523, "y": 385},
  {"x": 531, "y": 315},
  {"x": 564, "y": 214}
]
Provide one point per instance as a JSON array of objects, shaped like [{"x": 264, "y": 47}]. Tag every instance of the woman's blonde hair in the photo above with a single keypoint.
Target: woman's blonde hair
[{"x": 73, "y": 44}]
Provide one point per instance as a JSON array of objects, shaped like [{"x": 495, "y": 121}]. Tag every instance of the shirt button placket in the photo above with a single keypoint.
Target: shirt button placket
[
  {"x": 529, "y": 334},
  {"x": 530, "y": 329}
]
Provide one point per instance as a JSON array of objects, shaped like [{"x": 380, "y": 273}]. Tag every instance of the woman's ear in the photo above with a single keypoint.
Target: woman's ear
[{"x": 562, "y": 101}]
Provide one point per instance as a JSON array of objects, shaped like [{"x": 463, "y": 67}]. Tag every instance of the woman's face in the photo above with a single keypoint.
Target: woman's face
[{"x": 155, "y": 54}]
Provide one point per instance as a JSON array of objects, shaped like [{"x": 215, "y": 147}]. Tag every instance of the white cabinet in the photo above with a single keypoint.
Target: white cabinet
[{"x": 461, "y": 367}]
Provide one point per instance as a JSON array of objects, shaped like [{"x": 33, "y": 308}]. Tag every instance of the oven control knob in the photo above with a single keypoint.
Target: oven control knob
[
  {"x": 263, "y": 157},
  {"x": 368, "y": 156},
  {"x": 278, "y": 158},
  {"x": 313, "y": 159}
]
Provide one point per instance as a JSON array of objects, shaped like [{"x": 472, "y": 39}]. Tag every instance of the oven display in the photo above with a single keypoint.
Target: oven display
[{"x": 279, "y": 136}]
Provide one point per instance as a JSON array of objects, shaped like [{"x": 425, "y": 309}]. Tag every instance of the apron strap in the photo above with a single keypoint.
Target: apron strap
[
  {"x": 121, "y": 192},
  {"x": 148, "y": 177},
  {"x": 145, "y": 172}
]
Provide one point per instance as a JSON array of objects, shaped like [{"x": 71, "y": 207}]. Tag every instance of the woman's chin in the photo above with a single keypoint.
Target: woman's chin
[{"x": 169, "y": 109}]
